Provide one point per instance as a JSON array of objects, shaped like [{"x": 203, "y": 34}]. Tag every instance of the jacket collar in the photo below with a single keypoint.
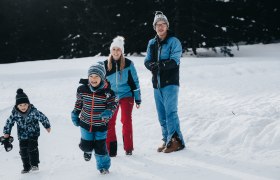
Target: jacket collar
[
  {"x": 169, "y": 34},
  {"x": 18, "y": 112},
  {"x": 105, "y": 84},
  {"x": 100, "y": 87}
]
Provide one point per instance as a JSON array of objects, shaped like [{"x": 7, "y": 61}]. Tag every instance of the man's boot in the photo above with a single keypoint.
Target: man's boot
[
  {"x": 174, "y": 145},
  {"x": 161, "y": 148}
]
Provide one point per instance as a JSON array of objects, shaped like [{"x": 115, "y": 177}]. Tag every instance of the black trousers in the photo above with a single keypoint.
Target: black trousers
[{"x": 29, "y": 152}]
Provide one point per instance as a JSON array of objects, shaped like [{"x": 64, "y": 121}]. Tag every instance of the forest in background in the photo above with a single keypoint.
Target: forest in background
[{"x": 39, "y": 29}]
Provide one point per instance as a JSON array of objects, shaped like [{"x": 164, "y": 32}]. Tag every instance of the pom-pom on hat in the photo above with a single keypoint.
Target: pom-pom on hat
[
  {"x": 159, "y": 16},
  {"x": 118, "y": 42},
  {"x": 98, "y": 69},
  {"x": 21, "y": 97}
]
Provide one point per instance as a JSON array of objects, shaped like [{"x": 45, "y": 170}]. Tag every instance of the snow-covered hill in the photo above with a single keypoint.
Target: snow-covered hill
[{"x": 229, "y": 110}]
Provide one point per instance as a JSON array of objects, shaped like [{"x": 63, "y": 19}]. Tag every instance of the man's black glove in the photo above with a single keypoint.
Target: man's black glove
[
  {"x": 154, "y": 66},
  {"x": 162, "y": 65},
  {"x": 7, "y": 143}
]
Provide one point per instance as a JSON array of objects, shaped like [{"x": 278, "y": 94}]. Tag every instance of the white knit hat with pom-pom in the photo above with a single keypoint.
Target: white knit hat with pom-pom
[{"x": 118, "y": 42}]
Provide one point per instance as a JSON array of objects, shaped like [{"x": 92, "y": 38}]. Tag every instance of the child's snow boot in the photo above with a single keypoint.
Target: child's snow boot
[
  {"x": 104, "y": 171},
  {"x": 26, "y": 170},
  {"x": 34, "y": 168},
  {"x": 87, "y": 156}
]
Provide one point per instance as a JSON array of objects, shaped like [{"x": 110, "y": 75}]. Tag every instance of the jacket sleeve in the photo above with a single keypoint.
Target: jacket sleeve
[
  {"x": 9, "y": 124},
  {"x": 175, "y": 55},
  {"x": 176, "y": 50},
  {"x": 43, "y": 119},
  {"x": 79, "y": 101},
  {"x": 136, "y": 89},
  {"x": 148, "y": 57},
  {"x": 168, "y": 64}
]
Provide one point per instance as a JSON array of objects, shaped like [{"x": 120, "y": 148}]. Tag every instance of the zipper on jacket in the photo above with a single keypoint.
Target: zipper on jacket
[
  {"x": 117, "y": 92},
  {"x": 91, "y": 113},
  {"x": 158, "y": 59}
]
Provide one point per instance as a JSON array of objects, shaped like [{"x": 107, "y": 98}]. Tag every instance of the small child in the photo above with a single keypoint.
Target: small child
[
  {"x": 95, "y": 105},
  {"x": 27, "y": 118}
]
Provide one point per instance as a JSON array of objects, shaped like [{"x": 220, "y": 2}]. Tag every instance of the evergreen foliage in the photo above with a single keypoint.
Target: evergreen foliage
[{"x": 40, "y": 29}]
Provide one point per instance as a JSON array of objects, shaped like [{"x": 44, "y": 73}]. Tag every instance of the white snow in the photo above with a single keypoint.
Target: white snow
[{"x": 229, "y": 110}]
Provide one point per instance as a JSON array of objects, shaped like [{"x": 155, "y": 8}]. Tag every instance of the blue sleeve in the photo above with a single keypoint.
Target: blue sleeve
[
  {"x": 176, "y": 50},
  {"x": 149, "y": 54},
  {"x": 79, "y": 101},
  {"x": 137, "y": 93},
  {"x": 9, "y": 124},
  {"x": 43, "y": 119}
]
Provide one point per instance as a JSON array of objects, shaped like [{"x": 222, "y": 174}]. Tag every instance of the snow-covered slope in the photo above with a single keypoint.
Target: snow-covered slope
[{"x": 229, "y": 110}]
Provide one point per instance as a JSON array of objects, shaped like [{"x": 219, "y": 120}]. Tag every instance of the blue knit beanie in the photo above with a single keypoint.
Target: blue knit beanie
[{"x": 98, "y": 69}]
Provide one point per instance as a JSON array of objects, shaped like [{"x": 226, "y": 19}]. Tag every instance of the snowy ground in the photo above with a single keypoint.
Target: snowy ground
[{"x": 229, "y": 110}]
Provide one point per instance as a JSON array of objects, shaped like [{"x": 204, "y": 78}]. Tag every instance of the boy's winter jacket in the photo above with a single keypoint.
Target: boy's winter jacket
[
  {"x": 124, "y": 83},
  {"x": 163, "y": 59},
  {"x": 91, "y": 103},
  {"x": 27, "y": 123}
]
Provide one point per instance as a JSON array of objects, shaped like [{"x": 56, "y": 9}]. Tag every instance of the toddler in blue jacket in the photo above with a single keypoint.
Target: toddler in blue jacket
[{"x": 27, "y": 118}]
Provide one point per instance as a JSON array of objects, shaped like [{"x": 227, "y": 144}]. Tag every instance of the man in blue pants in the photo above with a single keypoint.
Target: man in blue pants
[{"x": 163, "y": 60}]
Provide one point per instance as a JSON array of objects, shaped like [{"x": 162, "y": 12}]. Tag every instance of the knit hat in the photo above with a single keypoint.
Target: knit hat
[
  {"x": 118, "y": 42},
  {"x": 98, "y": 69},
  {"x": 21, "y": 97},
  {"x": 159, "y": 16}
]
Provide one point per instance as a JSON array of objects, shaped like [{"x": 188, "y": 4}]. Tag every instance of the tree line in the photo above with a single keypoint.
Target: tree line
[{"x": 39, "y": 29}]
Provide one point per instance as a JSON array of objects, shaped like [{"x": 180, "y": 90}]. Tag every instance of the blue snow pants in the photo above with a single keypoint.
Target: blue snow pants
[
  {"x": 98, "y": 140},
  {"x": 166, "y": 100}
]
